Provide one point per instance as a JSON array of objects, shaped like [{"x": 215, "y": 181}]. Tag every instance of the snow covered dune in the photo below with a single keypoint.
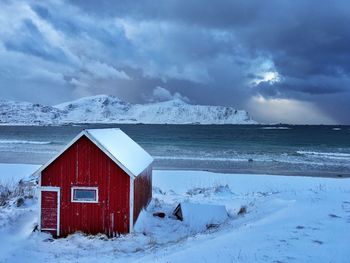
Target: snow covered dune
[{"x": 287, "y": 219}]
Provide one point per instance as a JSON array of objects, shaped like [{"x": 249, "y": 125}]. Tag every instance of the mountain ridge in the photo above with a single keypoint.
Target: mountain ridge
[{"x": 106, "y": 109}]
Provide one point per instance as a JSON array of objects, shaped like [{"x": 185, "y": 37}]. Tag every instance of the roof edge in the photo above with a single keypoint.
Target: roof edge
[
  {"x": 95, "y": 141},
  {"x": 59, "y": 153},
  {"x": 102, "y": 148}
]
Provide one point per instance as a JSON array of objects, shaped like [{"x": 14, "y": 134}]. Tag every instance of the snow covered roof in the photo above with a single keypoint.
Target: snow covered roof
[
  {"x": 200, "y": 216},
  {"x": 124, "y": 151}
]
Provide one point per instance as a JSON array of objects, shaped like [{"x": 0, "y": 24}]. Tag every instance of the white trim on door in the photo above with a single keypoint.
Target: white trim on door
[{"x": 51, "y": 189}]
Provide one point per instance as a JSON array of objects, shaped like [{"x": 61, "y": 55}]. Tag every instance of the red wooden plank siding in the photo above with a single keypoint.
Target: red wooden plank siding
[
  {"x": 142, "y": 191},
  {"x": 84, "y": 164},
  {"x": 49, "y": 210}
]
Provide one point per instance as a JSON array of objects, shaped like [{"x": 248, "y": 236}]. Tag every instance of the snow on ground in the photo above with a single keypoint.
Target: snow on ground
[
  {"x": 288, "y": 219},
  {"x": 10, "y": 174}
]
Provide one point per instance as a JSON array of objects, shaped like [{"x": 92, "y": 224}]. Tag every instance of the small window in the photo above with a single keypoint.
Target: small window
[{"x": 85, "y": 194}]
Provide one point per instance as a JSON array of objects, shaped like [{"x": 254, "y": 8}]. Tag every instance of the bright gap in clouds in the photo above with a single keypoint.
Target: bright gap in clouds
[
  {"x": 265, "y": 72},
  {"x": 271, "y": 76},
  {"x": 277, "y": 110}
]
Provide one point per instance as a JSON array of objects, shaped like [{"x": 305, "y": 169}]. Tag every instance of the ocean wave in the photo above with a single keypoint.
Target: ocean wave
[
  {"x": 313, "y": 160},
  {"x": 23, "y": 142},
  {"x": 331, "y": 155},
  {"x": 275, "y": 128},
  {"x": 190, "y": 158}
]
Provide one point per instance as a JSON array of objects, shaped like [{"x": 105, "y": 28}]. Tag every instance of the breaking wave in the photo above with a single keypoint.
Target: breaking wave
[
  {"x": 330, "y": 155},
  {"x": 189, "y": 158},
  {"x": 23, "y": 142},
  {"x": 275, "y": 128},
  {"x": 303, "y": 157}
]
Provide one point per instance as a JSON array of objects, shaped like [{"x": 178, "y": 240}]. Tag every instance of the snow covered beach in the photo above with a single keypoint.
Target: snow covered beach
[{"x": 288, "y": 219}]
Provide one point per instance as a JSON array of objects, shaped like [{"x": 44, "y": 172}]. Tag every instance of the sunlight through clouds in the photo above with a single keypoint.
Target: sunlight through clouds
[
  {"x": 226, "y": 54},
  {"x": 275, "y": 110}
]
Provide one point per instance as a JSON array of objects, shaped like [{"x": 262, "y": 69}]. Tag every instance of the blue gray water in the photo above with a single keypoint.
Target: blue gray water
[{"x": 299, "y": 150}]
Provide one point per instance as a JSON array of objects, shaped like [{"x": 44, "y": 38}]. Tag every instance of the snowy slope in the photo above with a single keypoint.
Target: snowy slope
[
  {"x": 110, "y": 109},
  {"x": 288, "y": 219},
  {"x": 96, "y": 109},
  {"x": 179, "y": 112},
  {"x": 13, "y": 112}
]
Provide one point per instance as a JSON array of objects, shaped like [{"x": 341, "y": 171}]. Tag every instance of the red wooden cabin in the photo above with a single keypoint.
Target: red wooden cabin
[{"x": 98, "y": 184}]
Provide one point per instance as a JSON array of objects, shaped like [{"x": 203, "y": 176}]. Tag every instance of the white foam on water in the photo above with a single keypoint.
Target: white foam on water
[
  {"x": 189, "y": 158},
  {"x": 306, "y": 158},
  {"x": 275, "y": 128},
  {"x": 326, "y": 154},
  {"x": 23, "y": 142}
]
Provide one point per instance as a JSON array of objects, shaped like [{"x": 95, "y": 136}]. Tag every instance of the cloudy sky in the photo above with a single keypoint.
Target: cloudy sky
[{"x": 283, "y": 61}]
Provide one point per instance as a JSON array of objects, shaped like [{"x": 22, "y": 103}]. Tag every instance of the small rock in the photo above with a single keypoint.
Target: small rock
[
  {"x": 159, "y": 214},
  {"x": 242, "y": 210},
  {"x": 19, "y": 202},
  {"x": 334, "y": 216},
  {"x": 36, "y": 228},
  {"x": 211, "y": 226}
]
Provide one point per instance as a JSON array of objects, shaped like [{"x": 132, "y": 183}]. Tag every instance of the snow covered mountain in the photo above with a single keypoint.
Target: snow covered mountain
[
  {"x": 95, "y": 109},
  {"x": 25, "y": 113},
  {"x": 110, "y": 109},
  {"x": 179, "y": 112}
]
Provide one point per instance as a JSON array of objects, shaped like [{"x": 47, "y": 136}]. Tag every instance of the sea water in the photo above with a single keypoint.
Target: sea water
[{"x": 288, "y": 149}]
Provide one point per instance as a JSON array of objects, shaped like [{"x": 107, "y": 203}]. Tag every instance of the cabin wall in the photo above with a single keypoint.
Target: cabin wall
[
  {"x": 84, "y": 164},
  {"x": 142, "y": 191}
]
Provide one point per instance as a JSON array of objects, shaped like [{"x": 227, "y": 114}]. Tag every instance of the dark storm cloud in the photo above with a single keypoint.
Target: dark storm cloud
[
  {"x": 303, "y": 38},
  {"x": 307, "y": 41},
  {"x": 222, "y": 52},
  {"x": 32, "y": 42},
  {"x": 221, "y": 14}
]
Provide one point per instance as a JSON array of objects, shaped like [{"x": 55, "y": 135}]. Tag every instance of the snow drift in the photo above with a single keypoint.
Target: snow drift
[
  {"x": 289, "y": 219},
  {"x": 199, "y": 217}
]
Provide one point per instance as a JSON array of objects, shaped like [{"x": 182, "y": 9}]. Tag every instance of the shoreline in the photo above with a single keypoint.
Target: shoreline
[
  {"x": 236, "y": 171},
  {"x": 231, "y": 149},
  {"x": 257, "y": 172}
]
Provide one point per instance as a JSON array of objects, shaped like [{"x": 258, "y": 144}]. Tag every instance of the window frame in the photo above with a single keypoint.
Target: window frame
[{"x": 83, "y": 188}]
